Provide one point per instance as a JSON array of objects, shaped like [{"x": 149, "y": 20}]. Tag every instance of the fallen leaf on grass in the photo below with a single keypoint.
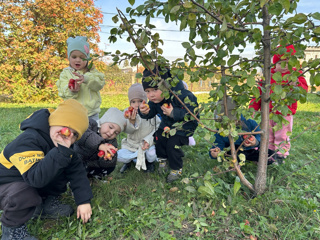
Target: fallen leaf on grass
[
  {"x": 174, "y": 189},
  {"x": 170, "y": 201}
]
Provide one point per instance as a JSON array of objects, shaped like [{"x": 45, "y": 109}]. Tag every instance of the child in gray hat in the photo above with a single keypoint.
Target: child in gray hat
[
  {"x": 98, "y": 146},
  {"x": 138, "y": 146}
]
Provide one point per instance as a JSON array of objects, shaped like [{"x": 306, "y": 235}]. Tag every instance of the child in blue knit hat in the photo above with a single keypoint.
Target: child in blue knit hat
[{"x": 78, "y": 81}]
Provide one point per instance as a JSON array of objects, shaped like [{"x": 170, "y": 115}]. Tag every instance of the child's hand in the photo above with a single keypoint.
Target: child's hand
[
  {"x": 58, "y": 138},
  {"x": 109, "y": 150},
  {"x": 80, "y": 78},
  {"x": 214, "y": 152},
  {"x": 145, "y": 145},
  {"x": 132, "y": 116},
  {"x": 250, "y": 141},
  {"x": 84, "y": 212},
  {"x": 144, "y": 108},
  {"x": 167, "y": 109}
]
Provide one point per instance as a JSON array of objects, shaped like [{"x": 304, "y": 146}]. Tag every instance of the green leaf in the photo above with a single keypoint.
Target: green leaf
[
  {"x": 224, "y": 25},
  {"x": 317, "y": 79},
  {"x": 285, "y": 4},
  {"x": 187, "y": 4},
  {"x": 236, "y": 186},
  {"x": 185, "y": 44},
  {"x": 251, "y": 81},
  {"x": 192, "y": 16},
  {"x": 262, "y": 3},
  {"x": 190, "y": 189},
  {"x": 131, "y": 2},
  {"x": 316, "y": 15},
  {"x": 299, "y": 18},
  {"x": 278, "y": 89},
  {"x": 275, "y": 9},
  {"x": 175, "y": 9},
  {"x": 316, "y": 30}
]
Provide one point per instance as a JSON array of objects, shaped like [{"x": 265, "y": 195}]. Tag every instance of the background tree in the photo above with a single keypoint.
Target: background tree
[
  {"x": 33, "y": 38},
  {"x": 224, "y": 30}
]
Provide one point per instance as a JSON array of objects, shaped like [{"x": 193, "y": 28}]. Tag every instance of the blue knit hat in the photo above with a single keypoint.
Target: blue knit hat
[{"x": 78, "y": 43}]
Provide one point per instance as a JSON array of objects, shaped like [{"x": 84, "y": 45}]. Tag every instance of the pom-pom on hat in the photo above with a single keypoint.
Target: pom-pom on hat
[
  {"x": 113, "y": 115},
  {"x": 164, "y": 74},
  {"x": 276, "y": 58},
  {"x": 136, "y": 91},
  {"x": 71, "y": 114},
  {"x": 78, "y": 43}
]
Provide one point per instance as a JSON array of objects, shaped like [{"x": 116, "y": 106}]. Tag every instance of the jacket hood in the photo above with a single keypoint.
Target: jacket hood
[{"x": 37, "y": 120}]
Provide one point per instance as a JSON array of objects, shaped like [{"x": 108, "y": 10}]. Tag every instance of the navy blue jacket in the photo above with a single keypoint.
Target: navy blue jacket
[{"x": 179, "y": 112}]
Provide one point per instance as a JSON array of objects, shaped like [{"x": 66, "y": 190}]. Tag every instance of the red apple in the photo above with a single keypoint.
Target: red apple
[
  {"x": 130, "y": 109},
  {"x": 166, "y": 129},
  {"x": 166, "y": 105},
  {"x": 113, "y": 151},
  {"x": 251, "y": 138},
  {"x": 101, "y": 153},
  {"x": 127, "y": 114},
  {"x": 71, "y": 83},
  {"x": 65, "y": 131}
]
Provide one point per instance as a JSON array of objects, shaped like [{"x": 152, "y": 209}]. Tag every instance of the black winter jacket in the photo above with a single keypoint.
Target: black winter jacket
[{"x": 33, "y": 158}]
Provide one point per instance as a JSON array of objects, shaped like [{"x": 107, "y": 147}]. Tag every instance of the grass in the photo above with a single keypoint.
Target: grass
[{"x": 207, "y": 204}]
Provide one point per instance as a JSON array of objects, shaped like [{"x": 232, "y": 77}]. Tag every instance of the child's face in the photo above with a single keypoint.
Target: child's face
[
  {"x": 109, "y": 130},
  {"x": 76, "y": 60},
  {"x": 154, "y": 94},
  {"x": 135, "y": 103},
  {"x": 278, "y": 67}
]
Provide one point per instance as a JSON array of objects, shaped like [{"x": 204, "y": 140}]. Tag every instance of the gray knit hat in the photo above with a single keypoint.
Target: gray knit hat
[
  {"x": 136, "y": 91},
  {"x": 78, "y": 43},
  {"x": 231, "y": 105},
  {"x": 113, "y": 115}
]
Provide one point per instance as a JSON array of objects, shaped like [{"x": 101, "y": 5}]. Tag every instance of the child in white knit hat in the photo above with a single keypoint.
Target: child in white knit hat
[
  {"x": 98, "y": 146},
  {"x": 138, "y": 146},
  {"x": 78, "y": 81}
]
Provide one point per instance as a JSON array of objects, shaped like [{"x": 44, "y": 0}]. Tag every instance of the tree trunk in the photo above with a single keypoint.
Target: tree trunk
[{"x": 261, "y": 177}]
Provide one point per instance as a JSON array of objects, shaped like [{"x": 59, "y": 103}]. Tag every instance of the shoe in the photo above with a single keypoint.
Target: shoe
[
  {"x": 125, "y": 167},
  {"x": 52, "y": 208},
  {"x": 150, "y": 167},
  {"x": 16, "y": 233},
  {"x": 162, "y": 166},
  {"x": 174, "y": 175},
  {"x": 279, "y": 159}
]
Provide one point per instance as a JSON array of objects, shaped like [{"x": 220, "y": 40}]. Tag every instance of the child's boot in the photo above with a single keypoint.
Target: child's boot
[
  {"x": 162, "y": 165},
  {"x": 150, "y": 167},
  {"x": 174, "y": 175},
  {"x": 14, "y": 233},
  {"x": 52, "y": 208},
  {"x": 125, "y": 167}
]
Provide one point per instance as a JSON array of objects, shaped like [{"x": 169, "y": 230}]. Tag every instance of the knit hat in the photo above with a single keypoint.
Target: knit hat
[
  {"x": 113, "y": 115},
  {"x": 136, "y": 91},
  {"x": 78, "y": 43},
  {"x": 71, "y": 114},
  {"x": 276, "y": 58},
  {"x": 231, "y": 105},
  {"x": 165, "y": 73}
]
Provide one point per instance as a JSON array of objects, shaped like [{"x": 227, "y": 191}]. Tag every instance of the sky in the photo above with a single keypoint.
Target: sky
[{"x": 169, "y": 32}]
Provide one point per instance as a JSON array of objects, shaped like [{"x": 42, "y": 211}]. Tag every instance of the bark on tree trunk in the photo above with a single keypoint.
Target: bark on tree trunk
[{"x": 261, "y": 177}]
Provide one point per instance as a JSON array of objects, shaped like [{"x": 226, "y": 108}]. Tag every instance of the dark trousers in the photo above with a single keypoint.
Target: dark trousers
[
  {"x": 253, "y": 154},
  {"x": 18, "y": 201},
  {"x": 169, "y": 147}
]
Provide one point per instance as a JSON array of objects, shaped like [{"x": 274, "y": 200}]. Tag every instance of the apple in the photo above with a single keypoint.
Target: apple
[
  {"x": 147, "y": 106},
  {"x": 113, "y": 151},
  {"x": 71, "y": 83},
  {"x": 166, "y": 105},
  {"x": 166, "y": 129},
  {"x": 251, "y": 138},
  {"x": 127, "y": 114},
  {"x": 65, "y": 131},
  {"x": 108, "y": 155},
  {"x": 101, "y": 153},
  {"x": 130, "y": 109},
  {"x": 216, "y": 149}
]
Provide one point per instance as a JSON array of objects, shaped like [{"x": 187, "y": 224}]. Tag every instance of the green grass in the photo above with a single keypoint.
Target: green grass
[{"x": 137, "y": 205}]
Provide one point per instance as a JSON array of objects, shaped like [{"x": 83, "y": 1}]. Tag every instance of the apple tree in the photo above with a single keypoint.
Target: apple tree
[{"x": 223, "y": 31}]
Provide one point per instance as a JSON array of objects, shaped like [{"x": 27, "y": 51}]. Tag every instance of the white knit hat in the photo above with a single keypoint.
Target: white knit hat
[
  {"x": 136, "y": 91},
  {"x": 113, "y": 115}
]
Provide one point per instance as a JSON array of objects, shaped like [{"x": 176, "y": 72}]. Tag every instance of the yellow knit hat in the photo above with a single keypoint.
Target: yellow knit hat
[{"x": 72, "y": 114}]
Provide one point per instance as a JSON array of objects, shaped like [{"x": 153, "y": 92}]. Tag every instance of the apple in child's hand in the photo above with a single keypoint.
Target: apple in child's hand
[
  {"x": 108, "y": 155},
  {"x": 113, "y": 151},
  {"x": 251, "y": 138},
  {"x": 71, "y": 83},
  {"x": 130, "y": 109},
  {"x": 127, "y": 114},
  {"x": 216, "y": 149},
  {"x": 65, "y": 131},
  {"x": 101, "y": 153},
  {"x": 166, "y": 105},
  {"x": 166, "y": 129},
  {"x": 147, "y": 106}
]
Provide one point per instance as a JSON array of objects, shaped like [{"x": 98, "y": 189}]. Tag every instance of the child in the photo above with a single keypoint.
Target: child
[
  {"x": 101, "y": 136},
  {"x": 250, "y": 143},
  {"x": 168, "y": 147},
  {"x": 139, "y": 142},
  {"x": 88, "y": 82},
  {"x": 280, "y": 139},
  {"x": 36, "y": 167}
]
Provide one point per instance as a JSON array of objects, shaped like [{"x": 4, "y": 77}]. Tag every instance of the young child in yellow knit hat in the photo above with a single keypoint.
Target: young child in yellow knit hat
[{"x": 36, "y": 167}]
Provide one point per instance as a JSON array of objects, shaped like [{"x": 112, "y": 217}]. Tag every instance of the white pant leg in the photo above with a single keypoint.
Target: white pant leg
[
  {"x": 126, "y": 156},
  {"x": 151, "y": 155}
]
